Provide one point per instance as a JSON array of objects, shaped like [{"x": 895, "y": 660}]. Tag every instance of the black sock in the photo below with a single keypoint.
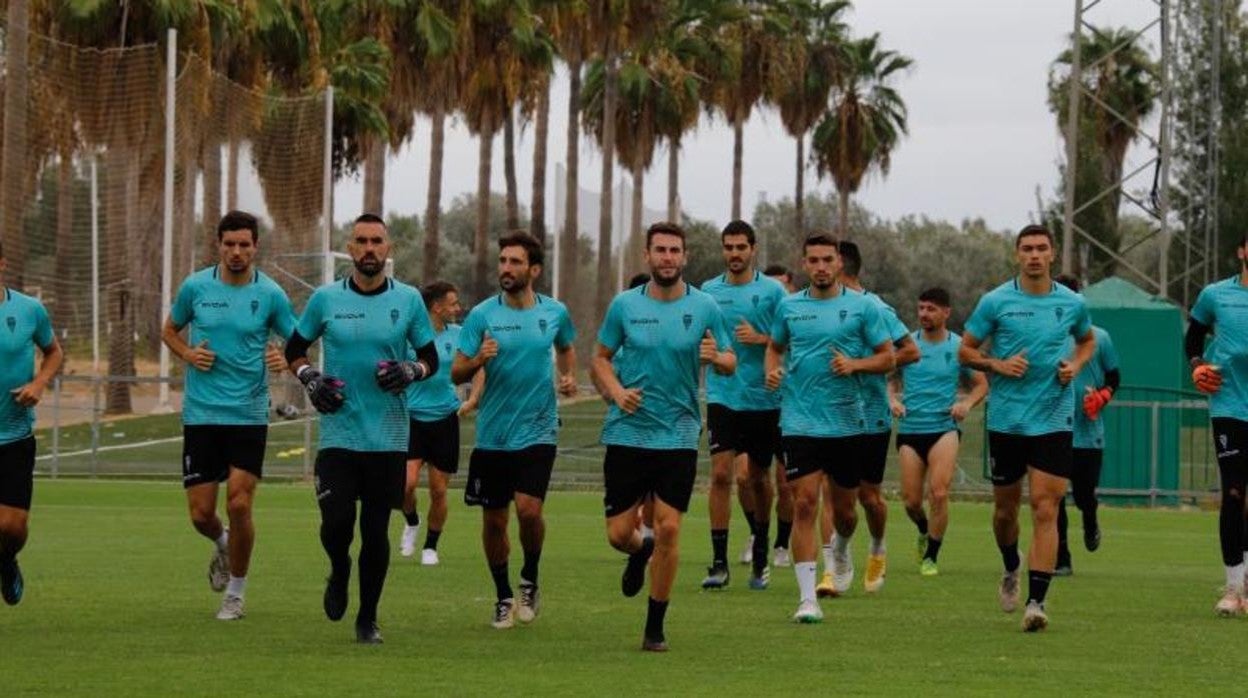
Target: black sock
[
  {"x": 529, "y": 572},
  {"x": 502, "y": 585},
  {"x": 431, "y": 539},
  {"x": 933, "y": 548},
  {"x": 655, "y": 613},
  {"x": 412, "y": 517},
  {"x": 749, "y": 519},
  {"x": 783, "y": 530},
  {"x": 1063, "y": 523},
  {"x": 719, "y": 547},
  {"x": 921, "y": 524},
  {"x": 1038, "y": 586},
  {"x": 762, "y": 534},
  {"x": 1009, "y": 555},
  {"x": 374, "y": 558}
]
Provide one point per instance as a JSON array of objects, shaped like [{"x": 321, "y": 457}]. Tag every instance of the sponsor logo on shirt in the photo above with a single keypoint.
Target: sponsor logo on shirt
[
  {"x": 1019, "y": 313},
  {"x": 541, "y": 325},
  {"x": 643, "y": 321},
  {"x": 506, "y": 328},
  {"x": 214, "y": 304},
  {"x": 844, "y": 314},
  {"x": 754, "y": 300},
  {"x": 1059, "y": 311},
  {"x": 805, "y": 318},
  {"x": 348, "y": 316},
  {"x": 948, "y": 358}
]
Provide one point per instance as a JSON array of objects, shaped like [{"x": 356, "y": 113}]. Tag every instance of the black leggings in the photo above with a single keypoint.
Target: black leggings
[
  {"x": 1230, "y": 443},
  {"x": 1085, "y": 475}
]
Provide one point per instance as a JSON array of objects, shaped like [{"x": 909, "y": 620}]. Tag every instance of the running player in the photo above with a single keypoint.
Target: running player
[
  {"x": 873, "y": 444},
  {"x": 1094, "y": 388},
  {"x": 819, "y": 350},
  {"x": 784, "y": 496},
  {"x": 230, "y": 308},
  {"x": 435, "y": 410},
  {"x": 29, "y": 327},
  {"x": 511, "y": 335},
  {"x": 924, "y": 397},
  {"x": 1029, "y": 320},
  {"x": 367, "y": 324},
  {"x": 1221, "y": 371},
  {"x": 742, "y": 416},
  {"x": 670, "y": 330}
]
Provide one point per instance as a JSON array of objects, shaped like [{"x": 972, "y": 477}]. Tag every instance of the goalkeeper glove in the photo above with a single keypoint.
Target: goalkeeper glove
[
  {"x": 1208, "y": 378},
  {"x": 395, "y": 376},
  {"x": 325, "y": 392},
  {"x": 1095, "y": 400}
]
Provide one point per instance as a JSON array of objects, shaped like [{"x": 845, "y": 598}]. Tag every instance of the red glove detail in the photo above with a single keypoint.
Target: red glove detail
[
  {"x": 1094, "y": 401},
  {"x": 1207, "y": 378}
]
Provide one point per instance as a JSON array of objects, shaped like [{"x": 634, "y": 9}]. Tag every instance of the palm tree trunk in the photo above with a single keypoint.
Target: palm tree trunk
[
  {"x": 799, "y": 204},
  {"x": 375, "y": 179},
  {"x": 509, "y": 169},
  {"x": 433, "y": 202},
  {"x": 212, "y": 199},
  {"x": 571, "y": 228},
  {"x": 635, "y": 246},
  {"x": 479, "y": 240},
  {"x": 123, "y": 173},
  {"x": 610, "y": 96},
  {"x": 231, "y": 179},
  {"x": 738, "y": 147},
  {"x": 673, "y": 181},
  {"x": 13, "y": 159},
  {"x": 186, "y": 259},
  {"x": 541, "y": 135},
  {"x": 842, "y": 215},
  {"x": 63, "y": 312}
]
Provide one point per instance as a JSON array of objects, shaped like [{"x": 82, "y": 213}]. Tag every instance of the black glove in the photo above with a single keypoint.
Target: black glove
[
  {"x": 325, "y": 392},
  {"x": 395, "y": 376}
]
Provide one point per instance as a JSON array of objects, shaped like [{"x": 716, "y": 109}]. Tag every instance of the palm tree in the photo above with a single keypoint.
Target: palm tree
[
  {"x": 865, "y": 122},
  {"x": 16, "y": 117},
  {"x": 567, "y": 21}
]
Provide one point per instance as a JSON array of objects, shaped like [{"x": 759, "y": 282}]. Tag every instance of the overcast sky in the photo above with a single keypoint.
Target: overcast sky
[{"x": 981, "y": 135}]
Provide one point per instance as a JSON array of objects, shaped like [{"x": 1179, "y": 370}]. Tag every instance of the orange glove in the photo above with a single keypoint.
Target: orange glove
[
  {"x": 1208, "y": 378},
  {"x": 1095, "y": 400}
]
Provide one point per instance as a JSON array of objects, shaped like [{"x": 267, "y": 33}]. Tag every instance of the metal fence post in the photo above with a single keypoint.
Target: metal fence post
[
  {"x": 95, "y": 425},
  {"x": 56, "y": 426},
  {"x": 1153, "y": 456}
]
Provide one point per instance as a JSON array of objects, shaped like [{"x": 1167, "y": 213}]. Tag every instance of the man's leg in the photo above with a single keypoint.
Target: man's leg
[
  {"x": 1046, "y": 491},
  {"x": 1063, "y": 565},
  {"x": 532, "y": 536},
  {"x": 942, "y": 463},
  {"x": 806, "y": 493},
  {"x": 497, "y": 549},
  {"x": 747, "y": 497},
  {"x": 411, "y": 515},
  {"x": 784, "y": 510},
  {"x": 338, "y": 486},
  {"x": 438, "y": 484},
  {"x": 760, "y": 486},
  {"x": 827, "y": 532},
  {"x": 1084, "y": 481},
  {"x": 719, "y": 502},
  {"x": 1006, "y": 500},
  {"x": 240, "y": 496},
  {"x": 14, "y": 529},
  {"x": 663, "y": 564},
  {"x": 1233, "y": 472},
  {"x": 201, "y": 500},
  {"x": 375, "y": 506},
  {"x": 913, "y": 470},
  {"x": 846, "y": 521}
]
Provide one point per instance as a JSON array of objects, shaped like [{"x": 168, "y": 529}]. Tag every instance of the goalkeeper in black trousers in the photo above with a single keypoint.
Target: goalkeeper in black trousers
[{"x": 366, "y": 323}]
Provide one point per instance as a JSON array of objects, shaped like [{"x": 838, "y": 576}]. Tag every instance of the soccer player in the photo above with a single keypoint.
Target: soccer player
[
  {"x": 873, "y": 442},
  {"x": 1221, "y": 371},
  {"x": 823, "y": 340},
  {"x": 669, "y": 330},
  {"x": 367, "y": 323},
  {"x": 510, "y": 335},
  {"x": 1094, "y": 388},
  {"x": 435, "y": 410},
  {"x": 742, "y": 416},
  {"x": 784, "y": 497},
  {"x": 29, "y": 327},
  {"x": 230, "y": 310},
  {"x": 1028, "y": 320},
  {"x": 924, "y": 397}
]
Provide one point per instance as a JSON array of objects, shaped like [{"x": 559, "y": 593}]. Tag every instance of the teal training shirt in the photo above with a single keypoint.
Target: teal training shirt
[
  {"x": 356, "y": 332},
  {"x": 875, "y": 406},
  {"x": 26, "y": 325},
  {"x": 755, "y": 302},
  {"x": 1091, "y": 433},
  {"x": 519, "y": 408},
  {"x": 1224, "y": 307},
  {"x": 815, "y": 401},
  {"x": 435, "y": 398},
  {"x": 930, "y": 386},
  {"x": 237, "y": 322},
  {"x": 1041, "y": 325},
  {"x": 661, "y": 342}
]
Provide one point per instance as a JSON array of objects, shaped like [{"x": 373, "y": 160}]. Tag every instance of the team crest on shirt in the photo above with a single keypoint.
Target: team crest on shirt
[
  {"x": 447, "y": 347},
  {"x": 1059, "y": 311},
  {"x": 844, "y": 314},
  {"x": 754, "y": 300},
  {"x": 948, "y": 358},
  {"x": 394, "y": 316},
  {"x": 687, "y": 320},
  {"x": 255, "y": 305},
  {"x": 541, "y": 325},
  {"x": 11, "y": 322}
]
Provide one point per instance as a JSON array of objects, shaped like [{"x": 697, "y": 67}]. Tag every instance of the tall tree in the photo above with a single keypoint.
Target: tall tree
[
  {"x": 13, "y": 160},
  {"x": 568, "y": 22}
]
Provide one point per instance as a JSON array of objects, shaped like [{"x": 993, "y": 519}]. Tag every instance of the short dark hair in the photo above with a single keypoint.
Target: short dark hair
[
  {"x": 238, "y": 220},
  {"x": 851, "y": 257},
  {"x": 638, "y": 280},
  {"x": 1034, "y": 229},
  {"x": 777, "y": 270},
  {"x": 738, "y": 227},
  {"x": 664, "y": 228},
  {"x": 435, "y": 291},
  {"x": 532, "y": 246},
  {"x": 1069, "y": 281},
  {"x": 818, "y": 239},
  {"x": 937, "y": 296},
  {"x": 370, "y": 218}
]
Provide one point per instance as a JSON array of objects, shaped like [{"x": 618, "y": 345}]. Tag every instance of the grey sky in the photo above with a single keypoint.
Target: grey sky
[{"x": 981, "y": 136}]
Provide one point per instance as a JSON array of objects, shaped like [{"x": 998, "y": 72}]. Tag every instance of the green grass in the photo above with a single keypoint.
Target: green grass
[{"x": 117, "y": 604}]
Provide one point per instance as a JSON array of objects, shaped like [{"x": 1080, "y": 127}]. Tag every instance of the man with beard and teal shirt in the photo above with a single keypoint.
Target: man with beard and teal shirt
[
  {"x": 367, "y": 324},
  {"x": 742, "y": 416},
  {"x": 510, "y": 335},
  {"x": 668, "y": 331},
  {"x": 823, "y": 341}
]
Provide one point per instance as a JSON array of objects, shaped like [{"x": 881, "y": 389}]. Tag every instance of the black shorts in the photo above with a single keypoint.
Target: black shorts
[
  {"x": 494, "y": 477},
  {"x": 755, "y": 433},
  {"x": 872, "y": 453},
  {"x": 436, "y": 443},
  {"x": 835, "y": 456},
  {"x": 630, "y": 473},
  {"x": 922, "y": 443},
  {"x": 1230, "y": 442},
  {"x": 17, "y": 473},
  {"x": 210, "y": 450},
  {"x": 344, "y": 477},
  {"x": 1009, "y": 455}
]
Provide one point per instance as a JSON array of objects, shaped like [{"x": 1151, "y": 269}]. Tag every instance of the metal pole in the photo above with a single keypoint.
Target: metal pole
[
  {"x": 327, "y": 190},
  {"x": 95, "y": 425},
  {"x": 166, "y": 257},
  {"x": 1215, "y": 100},
  {"x": 1072, "y": 141},
  {"x": 95, "y": 266},
  {"x": 1163, "y": 205},
  {"x": 56, "y": 427},
  {"x": 1153, "y": 455}
]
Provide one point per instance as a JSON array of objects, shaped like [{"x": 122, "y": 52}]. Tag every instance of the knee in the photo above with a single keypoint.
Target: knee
[
  {"x": 619, "y": 535},
  {"x": 939, "y": 494},
  {"x": 239, "y": 507},
  {"x": 666, "y": 533},
  {"x": 1004, "y": 516},
  {"x": 845, "y": 516},
  {"x": 437, "y": 494},
  {"x": 804, "y": 506},
  {"x": 870, "y": 497},
  {"x": 744, "y": 482},
  {"x": 494, "y": 523},
  {"x": 529, "y": 513},
  {"x": 1044, "y": 510},
  {"x": 202, "y": 516},
  {"x": 721, "y": 477}
]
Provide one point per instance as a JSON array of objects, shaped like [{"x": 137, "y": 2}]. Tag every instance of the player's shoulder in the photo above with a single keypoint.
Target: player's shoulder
[
  {"x": 551, "y": 303},
  {"x": 1101, "y": 334},
  {"x": 201, "y": 277},
  {"x": 702, "y": 299},
  {"x": 23, "y": 301},
  {"x": 268, "y": 283},
  {"x": 953, "y": 338},
  {"x": 405, "y": 289},
  {"x": 713, "y": 284},
  {"x": 770, "y": 285}
]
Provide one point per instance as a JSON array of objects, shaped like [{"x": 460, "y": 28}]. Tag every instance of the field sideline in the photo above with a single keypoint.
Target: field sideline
[{"x": 118, "y": 604}]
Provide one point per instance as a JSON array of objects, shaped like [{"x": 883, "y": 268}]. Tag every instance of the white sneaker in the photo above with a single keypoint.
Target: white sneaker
[
  {"x": 780, "y": 557},
  {"x": 843, "y": 571},
  {"x": 747, "y": 555},
  {"x": 231, "y": 608},
  {"x": 219, "y": 570},
  {"x": 1231, "y": 604},
  {"x": 407, "y": 546},
  {"x": 1034, "y": 618},
  {"x": 1007, "y": 593},
  {"x": 808, "y": 612},
  {"x": 428, "y": 557},
  {"x": 504, "y": 614},
  {"x": 530, "y": 602}
]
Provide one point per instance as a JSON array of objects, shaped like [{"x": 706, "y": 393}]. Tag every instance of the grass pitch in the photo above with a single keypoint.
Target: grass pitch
[{"x": 118, "y": 604}]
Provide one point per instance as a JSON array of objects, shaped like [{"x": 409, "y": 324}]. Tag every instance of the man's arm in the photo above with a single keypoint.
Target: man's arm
[
  {"x": 29, "y": 395},
  {"x": 906, "y": 351},
  {"x": 604, "y": 378},
  {"x": 565, "y": 365},
  {"x": 201, "y": 357}
]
